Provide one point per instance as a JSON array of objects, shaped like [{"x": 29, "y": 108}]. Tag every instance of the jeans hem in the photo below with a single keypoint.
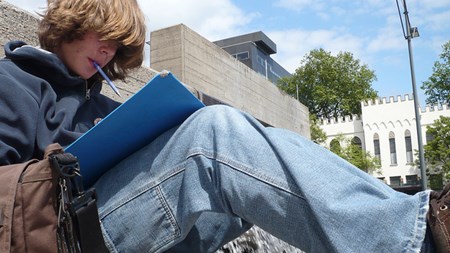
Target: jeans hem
[{"x": 420, "y": 228}]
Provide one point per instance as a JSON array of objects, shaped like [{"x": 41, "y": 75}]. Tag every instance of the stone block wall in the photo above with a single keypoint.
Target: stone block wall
[{"x": 204, "y": 66}]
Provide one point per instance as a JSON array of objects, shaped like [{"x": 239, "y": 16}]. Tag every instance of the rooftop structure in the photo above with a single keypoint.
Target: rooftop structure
[{"x": 254, "y": 50}]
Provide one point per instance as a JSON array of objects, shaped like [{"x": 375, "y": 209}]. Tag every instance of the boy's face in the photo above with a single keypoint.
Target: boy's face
[{"x": 78, "y": 55}]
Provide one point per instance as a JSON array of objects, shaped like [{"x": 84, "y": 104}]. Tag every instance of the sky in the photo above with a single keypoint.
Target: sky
[{"x": 369, "y": 29}]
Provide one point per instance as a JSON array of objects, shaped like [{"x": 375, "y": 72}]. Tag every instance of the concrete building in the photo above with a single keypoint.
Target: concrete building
[
  {"x": 204, "y": 66},
  {"x": 386, "y": 128},
  {"x": 254, "y": 50}
]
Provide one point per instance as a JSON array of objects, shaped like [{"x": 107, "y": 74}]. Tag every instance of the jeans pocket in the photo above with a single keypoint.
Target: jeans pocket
[{"x": 141, "y": 223}]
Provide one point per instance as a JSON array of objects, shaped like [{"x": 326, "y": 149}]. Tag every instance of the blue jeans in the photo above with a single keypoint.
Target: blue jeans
[{"x": 205, "y": 182}]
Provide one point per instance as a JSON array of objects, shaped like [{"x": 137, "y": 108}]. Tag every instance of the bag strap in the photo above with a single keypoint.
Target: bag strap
[
  {"x": 87, "y": 221},
  {"x": 80, "y": 204},
  {"x": 9, "y": 178}
]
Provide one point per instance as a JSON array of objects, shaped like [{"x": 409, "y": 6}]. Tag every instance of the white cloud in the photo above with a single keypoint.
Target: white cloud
[
  {"x": 293, "y": 45},
  {"x": 32, "y": 6},
  {"x": 386, "y": 41},
  {"x": 430, "y": 16},
  {"x": 439, "y": 22},
  {"x": 212, "y": 19},
  {"x": 389, "y": 37},
  {"x": 436, "y": 44},
  {"x": 299, "y": 5},
  {"x": 430, "y": 4}
]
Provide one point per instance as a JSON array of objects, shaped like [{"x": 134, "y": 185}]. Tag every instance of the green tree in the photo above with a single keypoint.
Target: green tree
[
  {"x": 437, "y": 87},
  {"x": 354, "y": 154},
  {"x": 437, "y": 149},
  {"x": 330, "y": 86},
  {"x": 317, "y": 134}
]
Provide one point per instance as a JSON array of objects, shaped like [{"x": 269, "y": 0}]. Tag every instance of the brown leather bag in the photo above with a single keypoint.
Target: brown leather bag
[{"x": 37, "y": 213}]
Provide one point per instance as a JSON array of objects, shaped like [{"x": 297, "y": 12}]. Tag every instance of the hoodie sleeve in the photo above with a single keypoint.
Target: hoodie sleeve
[{"x": 19, "y": 110}]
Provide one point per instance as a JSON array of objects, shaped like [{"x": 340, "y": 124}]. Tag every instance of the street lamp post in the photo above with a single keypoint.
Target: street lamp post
[{"x": 412, "y": 32}]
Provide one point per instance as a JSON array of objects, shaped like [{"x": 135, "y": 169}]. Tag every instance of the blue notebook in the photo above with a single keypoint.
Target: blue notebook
[{"x": 160, "y": 105}]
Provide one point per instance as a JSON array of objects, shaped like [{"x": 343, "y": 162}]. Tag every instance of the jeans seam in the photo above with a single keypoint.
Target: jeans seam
[
  {"x": 155, "y": 185},
  {"x": 415, "y": 243},
  {"x": 139, "y": 192},
  {"x": 244, "y": 169},
  {"x": 171, "y": 219},
  {"x": 107, "y": 238},
  {"x": 168, "y": 210}
]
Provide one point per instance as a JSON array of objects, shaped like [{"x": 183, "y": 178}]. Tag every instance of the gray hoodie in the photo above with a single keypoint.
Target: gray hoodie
[{"x": 41, "y": 102}]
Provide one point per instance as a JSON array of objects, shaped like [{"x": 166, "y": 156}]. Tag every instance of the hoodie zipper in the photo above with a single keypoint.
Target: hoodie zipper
[{"x": 87, "y": 95}]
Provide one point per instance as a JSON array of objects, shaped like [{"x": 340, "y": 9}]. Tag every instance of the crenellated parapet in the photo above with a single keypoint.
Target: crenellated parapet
[
  {"x": 339, "y": 120},
  {"x": 398, "y": 111},
  {"x": 435, "y": 108},
  {"x": 389, "y": 100}
]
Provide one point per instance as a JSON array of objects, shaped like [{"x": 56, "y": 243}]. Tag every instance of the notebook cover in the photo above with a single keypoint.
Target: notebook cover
[{"x": 160, "y": 105}]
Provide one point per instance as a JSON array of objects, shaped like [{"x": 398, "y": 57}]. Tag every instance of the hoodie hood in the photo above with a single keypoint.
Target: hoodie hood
[
  {"x": 43, "y": 103},
  {"x": 51, "y": 68}
]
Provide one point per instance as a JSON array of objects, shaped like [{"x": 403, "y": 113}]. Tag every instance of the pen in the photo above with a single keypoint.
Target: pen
[{"x": 111, "y": 84}]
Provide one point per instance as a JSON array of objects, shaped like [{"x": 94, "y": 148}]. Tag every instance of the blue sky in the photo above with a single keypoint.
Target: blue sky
[{"x": 370, "y": 29}]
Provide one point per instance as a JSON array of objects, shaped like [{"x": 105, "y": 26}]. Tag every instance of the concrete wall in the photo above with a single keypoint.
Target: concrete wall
[
  {"x": 204, "y": 66},
  {"x": 206, "y": 69},
  {"x": 16, "y": 24}
]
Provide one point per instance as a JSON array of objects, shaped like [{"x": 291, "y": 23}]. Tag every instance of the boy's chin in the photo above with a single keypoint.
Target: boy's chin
[{"x": 87, "y": 76}]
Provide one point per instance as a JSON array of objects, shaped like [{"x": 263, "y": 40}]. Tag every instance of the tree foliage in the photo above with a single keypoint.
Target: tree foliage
[
  {"x": 354, "y": 154},
  {"x": 437, "y": 150},
  {"x": 317, "y": 134},
  {"x": 330, "y": 86},
  {"x": 437, "y": 87}
]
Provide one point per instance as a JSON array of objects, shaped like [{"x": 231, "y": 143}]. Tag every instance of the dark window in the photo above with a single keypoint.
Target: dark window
[
  {"x": 429, "y": 137},
  {"x": 242, "y": 56},
  {"x": 376, "y": 147},
  {"x": 395, "y": 181},
  {"x": 261, "y": 61},
  {"x": 392, "y": 148},
  {"x": 357, "y": 141},
  {"x": 409, "y": 152},
  {"x": 412, "y": 180}
]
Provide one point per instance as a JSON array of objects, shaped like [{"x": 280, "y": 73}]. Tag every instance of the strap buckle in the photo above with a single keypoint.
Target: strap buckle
[{"x": 78, "y": 215}]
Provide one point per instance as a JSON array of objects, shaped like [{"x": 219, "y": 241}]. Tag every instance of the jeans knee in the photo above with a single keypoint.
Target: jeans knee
[
  {"x": 219, "y": 113},
  {"x": 218, "y": 109},
  {"x": 218, "y": 117}
]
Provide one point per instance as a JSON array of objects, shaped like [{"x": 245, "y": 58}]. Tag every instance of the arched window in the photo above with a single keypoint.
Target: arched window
[
  {"x": 429, "y": 137},
  {"x": 409, "y": 152},
  {"x": 376, "y": 146},
  {"x": 357, "y": 141},
  {"x": 335, "y": 146},
  {"x": 392, "y": 148}
]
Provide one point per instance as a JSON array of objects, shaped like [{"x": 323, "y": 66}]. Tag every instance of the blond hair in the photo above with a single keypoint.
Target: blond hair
[{"x": 118, "y": 20}]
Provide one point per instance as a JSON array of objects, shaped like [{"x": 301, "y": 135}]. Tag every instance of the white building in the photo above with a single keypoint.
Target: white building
[{"x": 387, "y": 129}]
